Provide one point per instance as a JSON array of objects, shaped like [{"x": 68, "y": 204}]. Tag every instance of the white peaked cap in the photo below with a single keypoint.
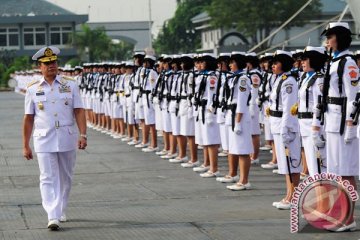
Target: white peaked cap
[
  {"x": 251, "y": 54},
  {"x": 316, "y": 49},
  {"x": 282, "y": 52},
  {"x": 150, "y": 57}
]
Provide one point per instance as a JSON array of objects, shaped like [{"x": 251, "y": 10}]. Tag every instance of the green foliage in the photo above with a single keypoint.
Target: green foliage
[
  {"x": 73, "y": 62},
  {"x": 249, "y": 16},
  {"x": 9, "y": 64},
  {"x": 94, "y": 45},
  {"x": 178, "y": 34},
  {"x": 121, "y": 51}
]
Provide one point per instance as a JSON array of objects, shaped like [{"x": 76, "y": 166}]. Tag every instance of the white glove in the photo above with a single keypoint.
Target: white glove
[
  {"x": 155, "y": 100},
  {"x": 319, "y": 141},
  {"x": 257, "y": 101},
  {"x": 237, "y": 128},
  {"x": 350, "y": 134},
  {"x": 288, "y": 137},
  {"x": 193, "y": 100},
  {"x": 209, "y": 118}
]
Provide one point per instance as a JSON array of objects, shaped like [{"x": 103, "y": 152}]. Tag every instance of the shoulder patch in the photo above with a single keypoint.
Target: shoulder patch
[
  {"x": 289, "y": 89},
  {"x": 212, "y": 81},
  {"x": 354, "y": 83},
  {"x": 243, "y": 82},
  {"x": 32, "y": 83},
  {"x": 353, "y": 74},
  {"x": 284, "y": 77}
]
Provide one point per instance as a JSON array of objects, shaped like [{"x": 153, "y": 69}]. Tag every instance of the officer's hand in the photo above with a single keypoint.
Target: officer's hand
[
  {"x": 27, "y": 153},
  {"x": 82, "y": 143}
]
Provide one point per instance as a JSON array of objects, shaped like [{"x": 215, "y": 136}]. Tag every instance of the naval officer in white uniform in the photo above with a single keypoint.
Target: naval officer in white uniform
[{"x": 53, "y": 108}]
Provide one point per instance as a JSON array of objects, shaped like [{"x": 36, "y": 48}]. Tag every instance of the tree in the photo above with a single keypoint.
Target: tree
[
  {"x": 121, "y": 51},
  {"x": 256, "y": 19},
  {"x": 96, "y": 42},
  {"x": 94, "y": 45},
  {"x": 177, "y": 34},
  {"x": 10, "y": 64}
]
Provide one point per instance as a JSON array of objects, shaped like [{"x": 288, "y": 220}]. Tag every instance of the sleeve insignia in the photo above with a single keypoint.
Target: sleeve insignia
[
  {"x": 354, "y": 83},
  {"x": 243, "y": 83},
  {"x": 284, "y": 77},
  {"x": 353, "y": 74},
  {"x": 289, "y": 89},
  {"x": 212, "y": 82}
]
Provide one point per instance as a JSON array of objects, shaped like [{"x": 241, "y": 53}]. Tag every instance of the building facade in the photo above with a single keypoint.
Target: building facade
[
  {"x": 226, "y": 40},
  {"x": 26, "y": 26}
]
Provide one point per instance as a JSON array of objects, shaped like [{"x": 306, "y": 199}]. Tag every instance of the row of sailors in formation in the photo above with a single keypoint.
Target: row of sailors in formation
[
  {"x": 208, "y": 101},
  {"x": 210, "y": 107}
]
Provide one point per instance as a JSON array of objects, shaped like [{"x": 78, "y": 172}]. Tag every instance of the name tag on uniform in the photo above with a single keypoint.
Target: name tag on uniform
[
  {"x": 40, "y": 93},
  {"x": 64, "y": 89}
]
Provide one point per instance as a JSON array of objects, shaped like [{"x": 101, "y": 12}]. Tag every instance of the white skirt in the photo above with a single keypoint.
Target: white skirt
[
  {"x": 139, "y": 111},
  {"x": 198, "y": 136},
  {"x": 240, "y": 144},
  {"x": 255, "y": 125},
  {"x": 158, "y": 118},
  {"x": 224, "y": 136},
  {"x": 310, "y": 153},
  {"x": 130, "y": 117},
  {"x": 149, "y": 112},
  {"x": 342, "y": 159},
  {"x": 267, "y": 130},
  {"x": 116, "y": 110},
  {"x": 166, "y": 120},
  {"x": 210, "y": 133},
  {"x": 175, "y": 124},
  {"x": 187, "y": 126},
  {"x": 107, "y": 107},
  {"x": 295, "y": 161}
]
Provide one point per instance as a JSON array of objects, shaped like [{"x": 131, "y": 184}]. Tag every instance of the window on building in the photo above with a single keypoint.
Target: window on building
[
  {"x": 9, "y": 37},
  {"x": 60, "y": 35},
  {"x": 34, "y": 36}
]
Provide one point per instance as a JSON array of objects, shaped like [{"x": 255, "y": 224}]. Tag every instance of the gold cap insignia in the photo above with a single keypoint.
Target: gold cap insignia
[{"x": 48, "y": 52}]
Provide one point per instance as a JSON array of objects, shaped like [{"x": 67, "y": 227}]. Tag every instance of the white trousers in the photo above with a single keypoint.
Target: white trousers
[{"x": 56, "y": 171}]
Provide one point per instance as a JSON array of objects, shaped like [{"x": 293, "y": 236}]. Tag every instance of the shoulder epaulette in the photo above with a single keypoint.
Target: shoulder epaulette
[
  {"x": 68, "y": 78},
  {"x": 32, "y": 83},
  {"x": 320, "y": 74}
]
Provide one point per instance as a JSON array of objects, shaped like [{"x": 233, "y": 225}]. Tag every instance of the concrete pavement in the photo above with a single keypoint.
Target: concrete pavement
[{"x": 120, "y": 192}]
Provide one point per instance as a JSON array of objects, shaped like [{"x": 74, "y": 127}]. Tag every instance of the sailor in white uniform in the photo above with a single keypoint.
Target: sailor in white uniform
[
  {"x": 284, "y": 126},
  {"x": 255, "y": 76},
  {"x": 148, "y": 85},
  {"x": 222, "y": 89},
  {"x": 342, "y": 145},
  {"x": 313, "y": 60},
  {"x": 209, "y": 129},
  {"x": 238, "y": 122}
]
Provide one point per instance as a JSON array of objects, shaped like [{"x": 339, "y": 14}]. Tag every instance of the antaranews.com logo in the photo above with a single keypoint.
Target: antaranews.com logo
[{"x": 324, "y": 201}]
